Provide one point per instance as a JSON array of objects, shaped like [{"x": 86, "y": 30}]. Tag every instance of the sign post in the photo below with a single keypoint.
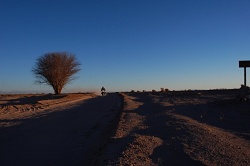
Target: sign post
[{"x": 244, "y": 64}]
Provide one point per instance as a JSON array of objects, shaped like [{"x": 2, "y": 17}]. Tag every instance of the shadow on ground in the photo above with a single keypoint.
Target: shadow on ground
[
  {"x": 62, "y": 137},
  {"x": 226, "y": 113},
  {"x": 31, "y": 99}
]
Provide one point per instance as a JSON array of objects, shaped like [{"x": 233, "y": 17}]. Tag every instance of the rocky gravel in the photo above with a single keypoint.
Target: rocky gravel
[{"x": 172, "y": 129}]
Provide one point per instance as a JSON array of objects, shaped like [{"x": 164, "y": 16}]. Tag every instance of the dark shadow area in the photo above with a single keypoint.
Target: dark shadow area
[
  {"x": 228, "y": 117},
  {"x": 63, "y": 137},
  {"x": 98, "y": 157}
]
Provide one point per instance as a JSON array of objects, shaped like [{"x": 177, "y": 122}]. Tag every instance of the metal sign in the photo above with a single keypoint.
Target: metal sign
[{"x": 244, "y": 63}]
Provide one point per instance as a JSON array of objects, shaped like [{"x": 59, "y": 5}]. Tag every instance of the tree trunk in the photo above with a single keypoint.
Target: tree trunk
[{"x": 57, "y": 90}]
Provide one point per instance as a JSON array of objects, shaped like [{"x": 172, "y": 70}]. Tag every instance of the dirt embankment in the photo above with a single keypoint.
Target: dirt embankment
[{"x": 156, "y": 129}]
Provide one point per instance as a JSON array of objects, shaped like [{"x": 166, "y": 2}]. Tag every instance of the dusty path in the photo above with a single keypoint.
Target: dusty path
[
  {"x": 179, "y": 130},
  {"x": 65, "y": 135}
]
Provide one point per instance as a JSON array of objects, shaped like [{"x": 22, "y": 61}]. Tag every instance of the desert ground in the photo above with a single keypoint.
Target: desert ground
[{"x": 143, "y": 128}]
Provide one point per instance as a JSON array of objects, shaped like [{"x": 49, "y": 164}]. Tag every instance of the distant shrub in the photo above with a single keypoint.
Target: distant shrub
[
  {"x": 164, "y": 90},
  {"x": 243, "y": 87}
]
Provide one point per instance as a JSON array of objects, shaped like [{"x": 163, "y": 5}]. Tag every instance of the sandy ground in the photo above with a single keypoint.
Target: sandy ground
[
  {"x": 22, "y": 106},
  {"x": 188, "y": 128},
  {"x": 173, "y": 128},
  {"x": 54, "y": 130}
]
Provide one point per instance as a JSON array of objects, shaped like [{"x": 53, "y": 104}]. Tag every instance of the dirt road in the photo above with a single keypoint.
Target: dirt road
[
  {"x": 157, "y": 129},
  {"x": 187, "y": 128},
  {"x": 64, "y": 135}
]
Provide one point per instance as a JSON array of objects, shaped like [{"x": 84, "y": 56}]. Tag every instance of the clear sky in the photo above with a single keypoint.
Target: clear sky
[{"x": 127, "y": 44}]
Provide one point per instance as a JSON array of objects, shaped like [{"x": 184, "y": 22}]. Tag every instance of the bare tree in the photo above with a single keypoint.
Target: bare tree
[{"x": 56, "y": 69}]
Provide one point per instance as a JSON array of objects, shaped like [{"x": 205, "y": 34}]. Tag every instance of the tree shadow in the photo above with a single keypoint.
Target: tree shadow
[{"x": 32, "y": 99}]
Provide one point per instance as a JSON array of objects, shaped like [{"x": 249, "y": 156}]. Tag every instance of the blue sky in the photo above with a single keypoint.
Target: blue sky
[{"x": 127, "y": 44}]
